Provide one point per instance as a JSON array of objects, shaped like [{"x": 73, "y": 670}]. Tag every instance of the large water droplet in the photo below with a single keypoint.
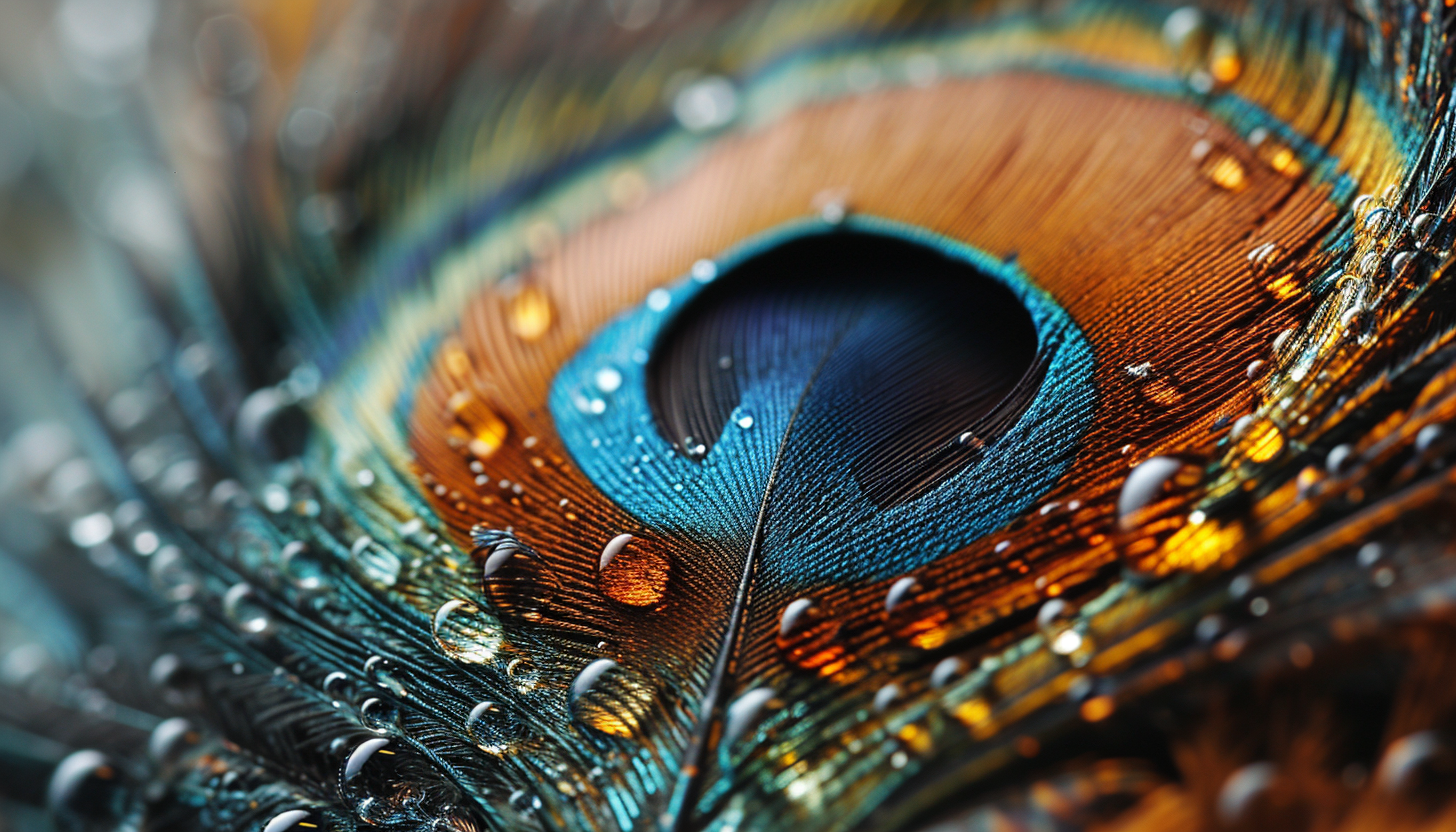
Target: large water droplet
[
  {"x": 517, "y": 581},
  {"x": 286, "y": 821},
  {"x": 610, "y": 698},
  {"x": 633, "y": 571},
  {"x": 87, "y": 791},
  {"x": 465, "y": 633},
  {"x": 745, "y": 714}
]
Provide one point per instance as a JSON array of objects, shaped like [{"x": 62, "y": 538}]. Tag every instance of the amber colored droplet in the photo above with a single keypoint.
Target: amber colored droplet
[
  {"x": 457, "y": 362},
  {"x": 919, "y": 618},
  {"x": 1098, "y": 708},
  {"x": 480, "y": 430},
  {"x": 1281, "y": 159},
  {"x": 975, "y": 714},
  {"x": 1283, "y": 287},
  {"x": 530, "y": 313},
  {"x": 811, "y": 641},
  {"x": 1224, "y": 63},
  {"x": 1223, "y": 170},
  {"x": 1262, "y": 441},
  {"x": 634, "y": 572}
]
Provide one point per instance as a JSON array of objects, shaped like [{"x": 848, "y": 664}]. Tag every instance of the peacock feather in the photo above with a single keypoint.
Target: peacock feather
[{"x": 702, "y": 417}]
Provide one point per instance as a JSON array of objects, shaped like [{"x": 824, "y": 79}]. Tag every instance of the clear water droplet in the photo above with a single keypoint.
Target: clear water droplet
[
  {"x": 385, "y": 674},
  {"x": 493, "y": 729},
  {"x": 375, "y": 561},
  {"x": 517, "y": 581},
  {"x": 246, "y": 612},
  {"x": 301, "y": 567},
  {"x": 743, "y": 417},
  {"x": 607, "y": 379},
  {"x": 172, "y": 574},
  {"x": 465, "y": 633},
  {"x": 379, "y": 715},
  {"x": 610, "y": 698}
]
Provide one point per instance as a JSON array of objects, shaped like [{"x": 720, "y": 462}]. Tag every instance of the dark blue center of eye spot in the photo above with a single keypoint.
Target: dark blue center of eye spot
[{"x": 906, "y": 394}]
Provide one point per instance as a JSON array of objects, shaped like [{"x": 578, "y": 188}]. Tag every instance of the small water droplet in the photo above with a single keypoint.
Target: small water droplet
[
  {"x": 1146, "y": 484},
  {"x": 1261, "y": 441},
  {"x": 530, "y": 313},
  {"x": 525, "y": 802},
  {"x": 743, "y": 417},
  {"x": 658, "y": 299},
  {"x": 87, "y": 791},
  {"x": 385, "y": 674},
  {"x": 375, "y": 561},
  {"x": 335, "y": 684},
  {"x": 914, "y": 612},
  {"x": 633, "y": 571},
  {"x": 248, "y": 614},
  {"x": 300, "y": 567},
  {"x": 465, "y": 633},
  {"x": 523, "y": 674},
  {"x": 706, "y": 104},
  {"x": 171, "y": 739},
  {"x": 1219, "y": 166},
  {"x": 610, "y": 698},
  {"x": 379, "y": 715},
  {"x": 607, "y": 379},
  {"x": 477, "y": 429},
  {"x": 172, "y": 575},
  {"x": 704, "y": 271}
]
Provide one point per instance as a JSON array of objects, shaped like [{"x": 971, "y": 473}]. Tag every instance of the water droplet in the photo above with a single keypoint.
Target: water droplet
[
  {"x": 745, "y": 714},
  {"x": 914, "y": 612},
  {"x": 171, "y": 739},
  {"x": 1261, "y": 440},
  {"x": 300, "y": 567},
  {"x": 809, "y": 638},
  {"x": 1242, "y": 790},
  {"x": 493, "y": 729},
  {"x": 1146, "y": 484},
  {"x": 1219, "y": 166},
  {"x": 286, "y": 821},
  {"x": 610, "y": 698},
  {"x": 530, "y": 313},
  {"x": 379, "y": 715},
  {"x": 946, "y": 671},
  {"x": 1415, "y": 761},
  {"x": 245, "y": 611},
  {"x": 172, "y": 575},
  {"x": 517, "y": 581},
  {"x": 477, "y": 429},
  {"x": 465, "y": 633},
  {"x": 633, "y": 571},
  {"x": 1059, "y": 627},
  {"x": 524, "y": 674},
  {"x": 704, "y": 271},
  {"x": 375, "y": 561},
  {"x": 335, "y": 684},
  {"x": 1422, "y": 226},
  {"x": 87, "y": 791},
  {"x": 658, "y": 299},
  {"x": 706, "y": 104},
  {"x": 887, "y": 696},
  {"x": 383, "y": 673},
  {"x": 91, "y": 530},
  {"x": 524, "y": 802},
  {"x": 743, "y": 417},
  {"x": 608, "y": 379}
]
